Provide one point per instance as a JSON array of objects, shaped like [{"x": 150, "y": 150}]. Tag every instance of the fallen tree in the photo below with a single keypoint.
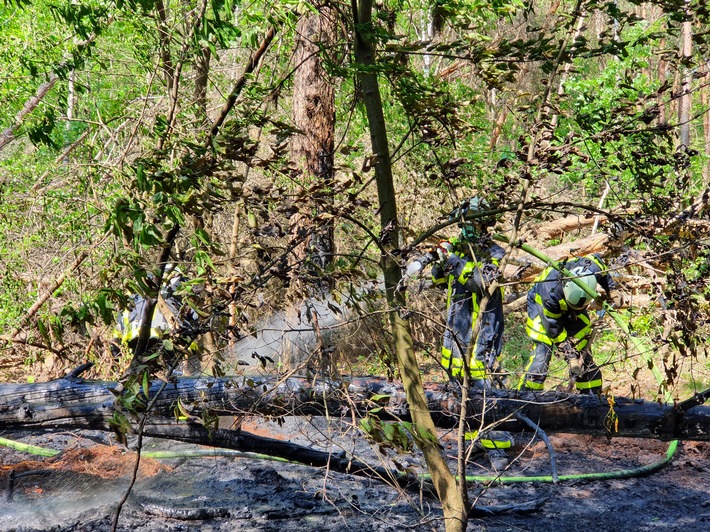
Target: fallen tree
[{"x": 73, "y": 403}]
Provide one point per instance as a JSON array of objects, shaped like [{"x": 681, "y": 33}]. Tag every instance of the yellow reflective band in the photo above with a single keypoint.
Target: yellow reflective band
[
  {"x": 579, "y": 335},
  {"x": 530, "y": 385},
  {"x": 596, "y": 383},
  {"x": 470, "y": 436},
  {"x": 538, "y": 300},
  {"x": 135, "y": 333},
  {"x": 535, "y": 330},
  {"x": 466, "y": 272},
  {"x": 551, "y": 314},
  {"x": 477, "y": 370},
  {"x": 539, "y": 337},
  {"x": 487, "y": 443},
  {"x": 581, "y": 345},
  {"x": 531, "y": 359},
  {"x": 597, "y": 262},
  {"x": 457, "y": 371},
  {"x": 563, "y": 305},
  {"x": 544, "y": 274},
  {"x": 493, "y": 444},
  {"x": 445, "y": 357},
  {"x": 560, "y": 337}
]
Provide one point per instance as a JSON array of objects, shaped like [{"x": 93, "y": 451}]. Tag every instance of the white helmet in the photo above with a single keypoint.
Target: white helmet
[{"x": 575, "y": 296}]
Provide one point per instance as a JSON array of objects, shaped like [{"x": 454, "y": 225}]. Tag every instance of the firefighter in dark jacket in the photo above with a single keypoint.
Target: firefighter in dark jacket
[
  {"x": 558, "y": 321},
  {"x": 467, "y": 271}
]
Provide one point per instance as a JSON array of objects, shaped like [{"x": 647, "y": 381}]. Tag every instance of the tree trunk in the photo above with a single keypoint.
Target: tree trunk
[
  {"x": 72, "y": 403},
  {"x": 164, "y": 39},
  {"x": 686, "y": 73},
  {"x": 8, "y": 135},
  {"x": 705, "y": 101},
  {"x": 313, "y": 147},
  {"x": 452, "y": 502},
  {"x": 312, "y": 151},
  {"x": 202, "y": 71}
]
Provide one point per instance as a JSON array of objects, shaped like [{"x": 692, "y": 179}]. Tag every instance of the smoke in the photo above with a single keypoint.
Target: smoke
[{"x": 290, "y": 338}]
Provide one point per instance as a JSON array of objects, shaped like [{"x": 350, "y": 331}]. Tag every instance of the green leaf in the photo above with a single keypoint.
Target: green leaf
[
  {"x": 389, "y": 430},
  {"x": 204, "y": 263},
  {"x": 105, "y": 307},
  {"x": 380, "y": 397},
  {"x": 202, "y": 236},
  {"x": 43, "y": 331},
  {"x": 141, "y": 178},
  {"x": 120, "y": 425},
  {"x": 146, "y": 385},
  {"x": 150, "y": 236}
]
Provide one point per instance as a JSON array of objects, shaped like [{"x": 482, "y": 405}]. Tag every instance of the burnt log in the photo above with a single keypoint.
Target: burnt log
[{"x": 75, "y": 403}]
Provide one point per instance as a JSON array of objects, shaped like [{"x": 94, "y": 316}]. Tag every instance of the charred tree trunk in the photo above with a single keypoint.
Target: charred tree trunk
[{"x": 73, "y": 403}]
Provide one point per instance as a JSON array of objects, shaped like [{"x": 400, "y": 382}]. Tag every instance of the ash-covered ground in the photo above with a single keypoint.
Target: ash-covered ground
[{"x": 79, "y": 490}]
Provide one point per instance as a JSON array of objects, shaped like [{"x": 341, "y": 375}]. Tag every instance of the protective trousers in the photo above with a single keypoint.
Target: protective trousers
[
  {"x": 457, "y": 339},
  {"x": 589, "y": 381}
]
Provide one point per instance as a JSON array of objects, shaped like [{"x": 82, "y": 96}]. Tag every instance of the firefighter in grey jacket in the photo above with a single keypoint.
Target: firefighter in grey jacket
[
  {"x": 467, "y": 271},
  {"x": 558, "y": 320}
]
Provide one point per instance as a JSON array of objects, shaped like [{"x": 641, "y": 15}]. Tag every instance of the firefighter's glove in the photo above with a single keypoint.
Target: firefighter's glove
[
  {"x": 444, "y": 249},
  {"x": 609, "y": 305},
  {"x": 573, "y": 357},
  {"x": 490, "y": 272},
  {"x": 566, "y": 350}
]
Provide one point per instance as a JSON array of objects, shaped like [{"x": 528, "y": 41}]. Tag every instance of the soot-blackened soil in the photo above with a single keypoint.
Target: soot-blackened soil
[{"x": 79, "y": 491}]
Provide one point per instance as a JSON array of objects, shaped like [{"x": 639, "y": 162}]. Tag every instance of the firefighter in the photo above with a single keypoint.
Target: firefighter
[
  {"x": 558, "y": 321},
  {"x": 467, "y": 265},
  {"x": 169, "y": 316}
]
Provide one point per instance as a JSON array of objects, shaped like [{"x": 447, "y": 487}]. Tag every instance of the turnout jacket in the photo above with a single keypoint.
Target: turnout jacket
[{"x": 548, "y": 312}]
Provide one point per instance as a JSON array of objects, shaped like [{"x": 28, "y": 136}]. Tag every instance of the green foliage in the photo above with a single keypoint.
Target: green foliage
[
  {"x": 461, "y": 101},
  {"x": 85, "y": 19},
  {"x": 101, "y": 306},
  {"x": 387, "y": 435}
]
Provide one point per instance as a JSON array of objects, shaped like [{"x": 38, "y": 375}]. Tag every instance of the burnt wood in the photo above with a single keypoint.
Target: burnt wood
[{"x": 75, "y": 403}]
